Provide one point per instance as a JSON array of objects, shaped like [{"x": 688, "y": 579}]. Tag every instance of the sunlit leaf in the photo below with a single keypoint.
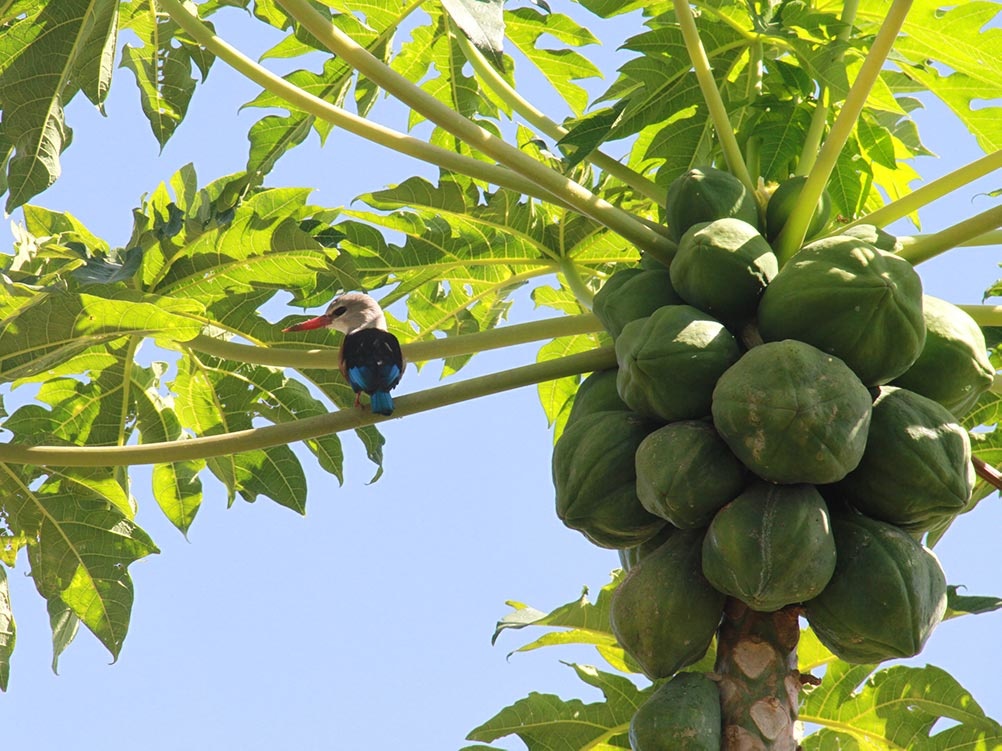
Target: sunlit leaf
[
  {"x": 547, "y": 723},
  {"x": 897, "y": 706},
  {"x": 163, "y": 67},
  {"x": 8, "y": 630}
]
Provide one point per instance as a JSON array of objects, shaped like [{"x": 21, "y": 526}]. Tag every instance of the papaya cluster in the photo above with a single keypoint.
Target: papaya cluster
[{"x": 777, "y": 435}]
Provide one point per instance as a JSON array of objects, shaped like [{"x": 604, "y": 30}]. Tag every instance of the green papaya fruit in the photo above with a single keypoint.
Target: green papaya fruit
[
  {"x": 850, "y": 299},
  {"x": 650, "y": 262},
  {"x": 722, "y": 268},
  {"x": 953, "y": 367},
  {"x": 877, "y": 237},
  {"x": 596, "y": 481},
  {"x": 597, "y": 393},
  {"x": 887, "y": 595},
  {"x": 704, "y": 194},
  {"x": 682, "y": 714},
  {"x": 792, "y": 413},
  {"x": 770, "y": 547},
  {"x": 669, "y": 361},
  {"x": 665, "y": 613},
  {"x": 781, "y": 203},
  {"x": 686, "y": 473},
  {"x": 630, "y": 294},
  {"x": 630, "y": 557},
  {"x": 916, "y": 468}
]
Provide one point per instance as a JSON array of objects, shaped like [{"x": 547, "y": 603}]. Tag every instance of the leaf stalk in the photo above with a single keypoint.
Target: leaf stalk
[
  {"x": 922, "y": 248},
  {"x": 718, "y": 111},
  {"x": 452, "y": 346},
  {"x": 548, "y": 127},
  {"x": 792, "y": 236},
  {"x": 554, "y": 183},
  {"x": 310, "y": 427}
]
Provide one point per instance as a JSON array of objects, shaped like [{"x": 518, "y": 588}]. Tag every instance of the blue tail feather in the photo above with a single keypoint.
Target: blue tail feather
[{"x": 382, "y": 403}]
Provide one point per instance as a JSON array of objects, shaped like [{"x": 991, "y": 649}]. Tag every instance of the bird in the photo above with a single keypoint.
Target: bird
[{"x": 370, "y": 355}]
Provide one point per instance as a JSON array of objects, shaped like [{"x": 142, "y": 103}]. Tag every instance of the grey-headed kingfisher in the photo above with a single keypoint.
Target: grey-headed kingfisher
[{"x": 370, "y": 355}]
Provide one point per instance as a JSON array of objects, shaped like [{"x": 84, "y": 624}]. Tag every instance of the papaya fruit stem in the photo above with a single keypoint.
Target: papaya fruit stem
[
  {"x": 793, "y": 233},
  {"x": 718, "y": 111}
]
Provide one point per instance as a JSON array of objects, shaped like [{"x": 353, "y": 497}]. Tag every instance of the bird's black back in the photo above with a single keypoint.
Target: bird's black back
[{"x": 372, "y": 360}]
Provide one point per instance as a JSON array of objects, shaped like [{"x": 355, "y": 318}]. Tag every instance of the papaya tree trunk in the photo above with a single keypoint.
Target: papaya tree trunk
[{"x": 758, "y": 678}]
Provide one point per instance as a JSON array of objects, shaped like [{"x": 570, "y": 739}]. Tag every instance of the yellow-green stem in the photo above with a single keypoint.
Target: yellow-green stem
[
  {"x": 984, "y": 315},
  {"x": 554, "y": 183},
  {"x": 572, "y": 278},
  {"x": 718, "y": 112},
  {"x": 792, "y": 235},
  {"x": 922, "y": 248},
  {"x": 307, "y": 428},
  {"x": 452, "y": 346},
  {"x": 548, "y": 127}
]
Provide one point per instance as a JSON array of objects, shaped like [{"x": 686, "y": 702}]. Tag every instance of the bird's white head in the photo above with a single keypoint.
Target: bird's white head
[{"x": 347, "y": 313}]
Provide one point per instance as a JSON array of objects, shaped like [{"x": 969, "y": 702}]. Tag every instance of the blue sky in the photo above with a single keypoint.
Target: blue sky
[{"x": 367, "y": 623}]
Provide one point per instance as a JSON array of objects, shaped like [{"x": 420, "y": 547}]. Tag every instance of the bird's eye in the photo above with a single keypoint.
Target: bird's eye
[{"x": 340, "y": 311}]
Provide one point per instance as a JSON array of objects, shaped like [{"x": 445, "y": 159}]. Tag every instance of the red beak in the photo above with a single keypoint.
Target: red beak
[{"x": 314, "y": 323}]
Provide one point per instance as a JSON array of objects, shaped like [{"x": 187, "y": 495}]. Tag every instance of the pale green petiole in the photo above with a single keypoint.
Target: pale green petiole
[
  {"x": 792, "y": 235},
  {"x": 310, "y": 427}
]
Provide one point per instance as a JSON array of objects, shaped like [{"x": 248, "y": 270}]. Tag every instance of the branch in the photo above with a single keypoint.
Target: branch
[
  {"x": 452, "y": 346},
  {"x": 718, "y": 112},
  {"x": 792, "y": 236},
  {"x": 548, "y": 127},
  {"x": 307, "y": 428},
  {"x": 562, "y": 188}
]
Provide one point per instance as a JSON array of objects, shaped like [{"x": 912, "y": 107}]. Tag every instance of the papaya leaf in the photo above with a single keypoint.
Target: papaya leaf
[
  {"x": 273, "y": 135},
  {"x": 217, "y": 396},
  {"x": 97, "y": 58},
  {"x": 896, "y": 707},
  {"x": 62, "y": 324},
  {"x": 545, "y": 722},
  {"x": 584, "y": 623},
  {"x": 83, "y": 547},
  {"x": 57, "y": 48},
  {"x": 587, "y": 133},
  {"x": 64, "y": 625},
  {"x": 560, "y": 67},
  {"x": 162, "y": 66},
  {"x": 8, "y": 631},
  {"x": 965, "y": 41},
  {"x": 176, "y": 486},
  {"x": 781, "y": 133},
  {"x": 557, "y": 396},
  {"x": 958, "y": 605},
  {"x": 482, "y": 21}
]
